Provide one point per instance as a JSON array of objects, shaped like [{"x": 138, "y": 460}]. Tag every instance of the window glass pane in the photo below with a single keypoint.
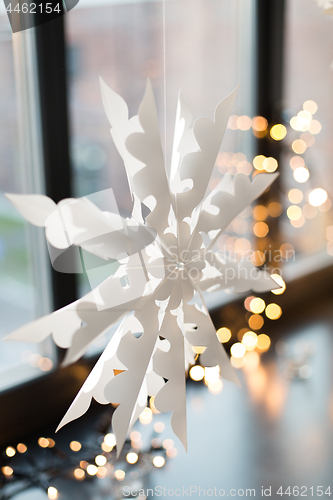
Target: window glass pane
[
  {"x": 309, "y": 147},
  {"x": 20, "y": 299}
]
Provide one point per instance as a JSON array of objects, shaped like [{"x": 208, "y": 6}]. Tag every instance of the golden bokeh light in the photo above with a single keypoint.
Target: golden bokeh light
[
  {"x": 237, "y": 350},
  {"x": 317, "y": 197},
  {"x": 101, "y": 472},
  {"x": 75, "y": 446},
  {"x": 297, "y": 161},
  {"x": 223, "y": 334},
  {"x": 79, "y": 474},
  {"x": 43, "y": 442},
  {"x": 92, "y": 470},
  {"x": 168, "y": 443},
  {"x": 119, "y": 475},
  {"x": 315, "y": 127},
  {"x": 247, "y": 302},
  {"x": 256, "y": 321},
  {"x": 301, "y": 174},
  {"x": 308, "y": 138},
  {"x": 156, "y": 443},
  {"x": 242, "y": 245},
  {"x": 287, "y": 251},
  {"x": 273, "y": 311},
  {"x": 244, "y": 122},
  {"x": 275, "y": 209},
  {"x": 159, "y": 427},
  {"x": 146, "y": 416},
  {"x": 100, "y": 460},
  {"x": 241, "y": 333},
  {"x": 158, "y": 461},
  {"x": 110, "y": 440},
  {"x": 310, "y": 106},
  {"x": 294, "y": 212},
  {"x": 212, "y": 374},
  {"x": 52, "y": 492},
  {"x": 257, "y": 305},
  {"x": 237, "y": 157},
  {"x": 295, "y": 195},
  {"x": 294, "y": 123},
  {"x": 260, "y": 212},
  {"x": 258, "y": 162},
  {"x": 260, "y": 229},
  {"x": 258, "y": 258},
  {"x": 263, "y": 342},
  {"x": 21, "y": 448},
  {"x": 197, "y": 373},
  {"x": 278, "y": 132},
  {"x": 249, "y": 340},
  {"x": 309, "y": 211},
  {"x": 259, "y": 124},
  {"x": 10, "y": 451},
  {"x": 7, "y": 471},
  {"x": 270, "y": 164},
  {"x": 304, "y": 118},
  {"x": 132, "y": 457},
  {"x": 45, "y": 364},
  {"x": 299, "y": 146},
  {"x": 244, "y": 167},
  {"x": 106, "y": 448},
  {"x": 280, "y": 281},
  {"x": 135, "y": 436},
  {"x": 171, "y": 453}
]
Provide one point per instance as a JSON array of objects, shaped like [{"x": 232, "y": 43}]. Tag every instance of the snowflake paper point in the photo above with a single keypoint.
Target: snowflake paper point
[{"x": 167, "y": 261}]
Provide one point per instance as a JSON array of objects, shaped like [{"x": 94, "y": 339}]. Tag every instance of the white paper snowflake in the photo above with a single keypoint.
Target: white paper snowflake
[{"x": 166, "y": 263}]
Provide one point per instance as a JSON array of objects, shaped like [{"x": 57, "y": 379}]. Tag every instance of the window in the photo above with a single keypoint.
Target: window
[
  {"x": 24, "y": 284},
  {"x": 309, "y": 149},
  {"x": 208, "y": 51}
]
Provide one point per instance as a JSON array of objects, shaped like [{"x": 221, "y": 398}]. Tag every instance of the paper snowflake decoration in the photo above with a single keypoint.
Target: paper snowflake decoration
[{"x": 166, "y": 263}]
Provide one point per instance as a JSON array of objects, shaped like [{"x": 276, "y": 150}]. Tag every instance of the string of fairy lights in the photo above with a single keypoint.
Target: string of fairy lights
[{"x": 91, "y": 460}]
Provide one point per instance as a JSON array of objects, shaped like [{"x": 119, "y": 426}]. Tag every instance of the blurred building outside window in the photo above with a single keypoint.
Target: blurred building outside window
[{"x": 24, "y": 281}]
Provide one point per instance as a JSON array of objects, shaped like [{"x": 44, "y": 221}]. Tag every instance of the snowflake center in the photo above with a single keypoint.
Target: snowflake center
[{"x": 180, "y": 266}]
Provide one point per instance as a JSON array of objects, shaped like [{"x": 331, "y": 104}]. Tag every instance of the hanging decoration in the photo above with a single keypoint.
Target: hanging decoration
[{"x": 166, "y": 261}]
